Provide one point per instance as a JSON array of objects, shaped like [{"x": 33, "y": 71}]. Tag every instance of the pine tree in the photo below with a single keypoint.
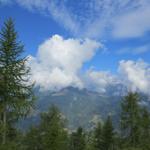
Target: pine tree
[
  {"x": 108, "y": 135},
  {"x": 15, "y": 92},
  {"x": 32, "y": 140},
  {"x": 52, "y": 130},
  {"x": 98, "y": 137},
  {"x": 78, "y": 141},
  {"x": 130, "y": 119},
  {"x": 90, "y": 140},
  {"x": 145, "y": 129}
]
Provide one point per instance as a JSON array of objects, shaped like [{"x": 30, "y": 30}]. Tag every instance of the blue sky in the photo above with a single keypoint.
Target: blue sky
[{"x": 121, "y": 27}]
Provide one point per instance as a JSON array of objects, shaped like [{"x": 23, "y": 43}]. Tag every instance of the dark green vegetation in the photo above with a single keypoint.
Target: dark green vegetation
[
  {"x": 16, "y": 96},
  {"x": 131, "y": 130}
]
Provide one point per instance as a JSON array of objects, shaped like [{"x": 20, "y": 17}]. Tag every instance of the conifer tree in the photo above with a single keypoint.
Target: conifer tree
[
  {"x": 52, "y": 130},
  {"x": 108, "y": 135},
  {"x": 130, "y": 119},
  {"x": 98, "y": 137},
  {"x": 15, "y": 92},
  {"x": 32, "y": 140},
  {"x": 145, "y": 129},
  {"x": 77, "y": 141},
  {"x": 90, "y": 140}
]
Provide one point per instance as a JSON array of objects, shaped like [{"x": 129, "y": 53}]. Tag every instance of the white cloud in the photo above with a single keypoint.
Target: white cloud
[
  {"x": 135, "y": 50},
  {"x": 135, "y": 75},
  {"x": 100, "y": 80},
  {"x": 58, "y": 62},
  {"x": 132, "y": 76},
  {"x": 31, "y": 4},
  {"x": 54, "y": 8},
  {"x": 132, "y": 24},
  {"x": 95, "y": 18}
]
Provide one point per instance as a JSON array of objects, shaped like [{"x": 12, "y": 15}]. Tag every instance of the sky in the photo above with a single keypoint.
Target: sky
[{"x": 84, "y": 43}]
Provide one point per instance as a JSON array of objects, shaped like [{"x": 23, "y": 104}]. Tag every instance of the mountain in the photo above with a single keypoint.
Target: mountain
[{"x": 80, "y": 107}]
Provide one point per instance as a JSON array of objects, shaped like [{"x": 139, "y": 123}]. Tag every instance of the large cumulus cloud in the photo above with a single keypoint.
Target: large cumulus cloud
[{"x": 59, "y": 61}]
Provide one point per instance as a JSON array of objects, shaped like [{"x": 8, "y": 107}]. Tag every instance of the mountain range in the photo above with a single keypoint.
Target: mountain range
[{"x": 80, "y": 107}]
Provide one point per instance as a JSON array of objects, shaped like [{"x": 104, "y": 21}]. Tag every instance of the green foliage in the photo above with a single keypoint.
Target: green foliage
[
  {"x": 97, "y": 142},
  {"x": 131, "y": 148},
  {"x": 14, "y": 143},
  {"x": 77, "y": 140},
  {"x": 15, "y": 92},
  {"x": 53, "y": 134},
  {"x": 130, "y": 119},
  {"x": 145, "y": 129},
  {"x": 16, "y": 100},
  {"x": 32, "y": 139},
  {"x": 50, "y": 134},
  {"x": 90, "y": 140},
  {"x": 108, "y": 135},
  {"x": 135, "y": 123}
]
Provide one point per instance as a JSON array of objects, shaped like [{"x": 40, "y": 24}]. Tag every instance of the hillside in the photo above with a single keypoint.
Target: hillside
[{"x": 81, "y": 107}]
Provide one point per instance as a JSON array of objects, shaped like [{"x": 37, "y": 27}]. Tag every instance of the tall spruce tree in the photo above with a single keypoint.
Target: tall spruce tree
[
  {"x": 90, "y": 140},
  {"x": 108, "y": 135},
  {"x": 130, "y": 119},
  {"x": 97, "y": 142},
  {"x": 77, "y": 140},
  {"x": 16, "y": 94},
  {"x": 52, "y": 130},
  {"x": 145, "y": 129},
  {"x": 32, "y": 140}
]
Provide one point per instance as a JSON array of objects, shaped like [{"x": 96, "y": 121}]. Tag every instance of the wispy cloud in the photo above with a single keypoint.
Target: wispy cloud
[
  {"x": 96, "y": 18},
  {"x": 132, "y": 24},
  {"x": 134, "y": 50},
  {"x": 54, "y": 8}
]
